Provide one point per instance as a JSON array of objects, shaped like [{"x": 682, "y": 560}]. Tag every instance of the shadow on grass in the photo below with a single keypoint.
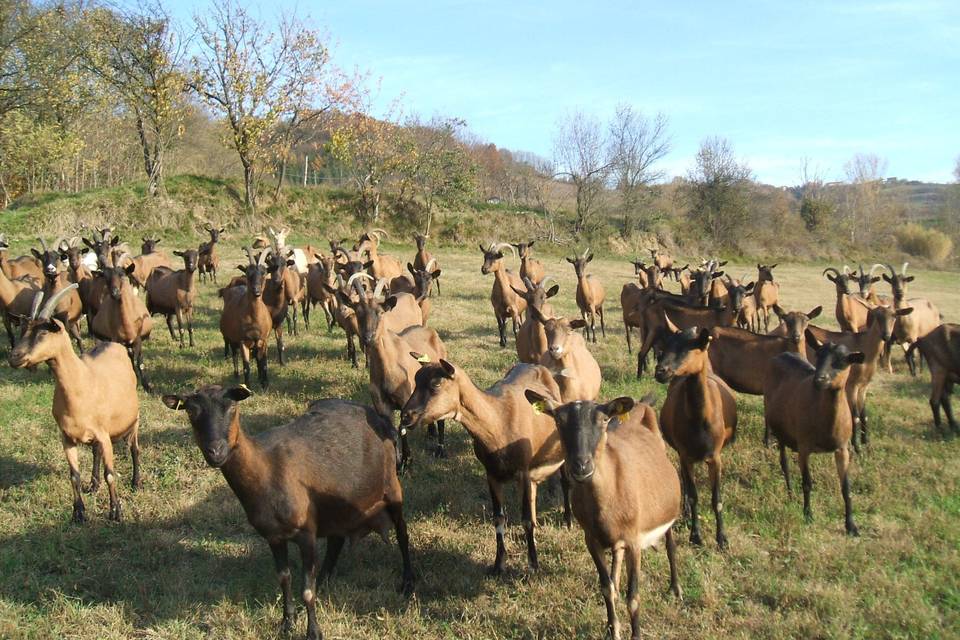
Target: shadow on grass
[{"x": 15, "y": 472}]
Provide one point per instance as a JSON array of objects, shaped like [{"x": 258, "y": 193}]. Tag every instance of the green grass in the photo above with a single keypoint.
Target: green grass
[{"x": 185, "y": 563}]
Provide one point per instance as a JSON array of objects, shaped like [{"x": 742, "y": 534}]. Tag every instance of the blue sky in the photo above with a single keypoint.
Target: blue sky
[{"x": 782, "y": 81}]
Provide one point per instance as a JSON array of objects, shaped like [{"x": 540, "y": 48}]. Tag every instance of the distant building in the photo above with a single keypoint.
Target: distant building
[{"x": 493, "y": 200}]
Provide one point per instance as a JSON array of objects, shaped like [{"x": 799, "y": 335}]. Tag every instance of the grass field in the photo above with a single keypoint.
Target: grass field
[{"x": 185, "y": 563}]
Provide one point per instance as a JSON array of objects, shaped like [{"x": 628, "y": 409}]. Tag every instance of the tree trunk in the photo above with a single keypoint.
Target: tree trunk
[
  {"x": 283, "y": 168},
  {"x": 249, "y": 188}
]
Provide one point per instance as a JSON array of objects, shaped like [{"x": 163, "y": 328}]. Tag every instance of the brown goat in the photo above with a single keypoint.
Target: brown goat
[
  {"x": 531, "y": 339},
  {"x": 881, "y": 323},
  {"x": 661, "y": 259},
  {"x": 648, "y": 276},
  {"x": 123, "y": 318},
  {"x": 530, "y": 267},
  {"x": 590, "y": 295},
  {"x": 148, "y": 260},
  {"x": 171, "y": 293},
  {"x": 18, "y": 267},
  {"x": 941, "y": 349},
  {"x": 510, "y": 439},
  {"x": 245, "y": 321},
  {"x": 806, "y": 409},
  {"x": 767, "y": 294},
  {"x": 567, "y": 357},
  {"x": 94, "y": 398},
  {"x": 699, "y": 416},
  {"x": 911, "y": 327},
  {"x": 625, "y": 493},
  {"x": 209, "y": 260},
  {"x": 631, "y": 296},
  {"x": 851, "y": 310},
  {"x": 321, "y": 279},
  {"x": 423, "y": 260},
  {"x": 742, "y": 359},
  {"x": 383, "y": 266},
  {"x": 70, "y": 309},
  {"x": 329, "y": 473},
  {"x": 506, "y": 303}
]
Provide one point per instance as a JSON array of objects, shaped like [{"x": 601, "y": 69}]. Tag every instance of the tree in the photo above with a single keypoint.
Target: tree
[
  {"x": 637, "y": 144},
  {"x": 253, "y": 77},
  {"x": 581, "y": 154},
  {"x": 139, "y": 55},
  {"x": 717, "y": 191},
  {"x": 864, "y": 213},
  {"x": 816, "y": 210}
]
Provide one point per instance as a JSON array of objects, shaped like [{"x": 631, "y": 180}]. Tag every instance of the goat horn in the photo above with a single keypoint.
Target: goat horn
[
  {"x": 381, "y": 284},
  {"x": 263, "y": 256},
  {"x": 860, "y": 267},
  {"x": 380, "y": 231},
  {"x": 432, "y": 261},
  {"x": 670, "y": 326},
  {"x": 846, "y": 270},
  {"x": 830, "y": 269},
  {"x": 893, "y": 272},
  {"x": 43, "y": 244},
  {"x": 37, "y": 299},
  {"x": 362, "y": 274},
  {"x": 52, "y": 303},
  {"x": 903, "y": 271},
  {"x": 543, "y": 283},
  {"x": 585, "y": 252},
  {"x": 497, "y": 246},
  {"x": 249, "y": 254},
  {"x": 874, "y": 268}
]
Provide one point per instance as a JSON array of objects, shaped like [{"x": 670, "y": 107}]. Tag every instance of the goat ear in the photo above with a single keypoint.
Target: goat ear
[
  {"x": 812, "y": 339},
  {"x": 552, "y": 291},
  {"x": 173, "y": 401},
  {"x": 773, "y": 266},
  {"x": 537, "y": 314},
  {"x": 390, "y": 303},
  {"x": 704, "y": 338},
  {"x": 36, "y": 254},
  {"x": 749, "y": 287},
  {"x": 777, "y": 309},
  {"x": 886, "y": 278},
  {"x": 178, "y": 253},
  {"x": 814, "y": 313},
  {"x": 834, "y": 279},
  {"x": 130, "y": 268},
  {"x": 411, "y": 269},
  {"x": 570, "y": 260},
  {"x": 539, "y": 402},
  {"x": 618, "y": 406},
  {"x": 242, "y": 268},
  {"x": 237, "y": 393},
  {"x": 222, "y": 229},
  {"x": 908, "y": 279},
  {"x": 874, "y": 279},
  {"x": 722, "y": 264},
  {"x": 579, "y": 323},
  {"x": 856, "y": 357},
  {"x": 590, "y": 257},
  {"x": 530, "y": 244},
  {"x": 435, "y": 274},
  {"x": 115, "y": 241},
  {"x": 517, "y": 291},
  {"x": 368, "y": 264},
  {"x": 482, "y": 248},
  {"x": 291, "y": 263},
  {"x": 448, "y": 369},
  {"x": 85, "y": 250},
  {"x": 905, "y": 311},
  {"x": 717, "y": 274}
]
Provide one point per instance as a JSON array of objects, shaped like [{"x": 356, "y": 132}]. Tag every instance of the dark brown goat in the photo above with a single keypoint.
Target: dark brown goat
[{"x": 171, "y": 293}]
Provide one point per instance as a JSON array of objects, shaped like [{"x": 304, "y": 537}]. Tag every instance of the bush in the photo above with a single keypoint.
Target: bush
[{"x": 919, "y": 241}]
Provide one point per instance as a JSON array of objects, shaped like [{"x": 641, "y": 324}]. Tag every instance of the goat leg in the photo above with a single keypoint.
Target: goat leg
[
  {"x": 842, "y": 457},
  {"x": 529, "y": 510},
  {"x": 715, "y": 467},
  {"x": 330, "y": 557},
  {"x": 281, "y": 563},
  {"x": 307, "y": 542},
  {"x": 70, "y": 451},
  {"x": 606, "y": 587},
  {"x": 691, "y": 492},
  {"x": 95, "y": 474},
  {"x": 807, "y": 484},
  {"x": 395, "y": 511},
  {"x": 672, "y": 559},
  {"x": 440, "y": 451},
  {"x": 133, "y": 441},
  {"x": 633, "y": 591},
  {"x": 110, "y": 476},
  {"x": 565, "y": 489},
  {"x": 499, "y": 522}
]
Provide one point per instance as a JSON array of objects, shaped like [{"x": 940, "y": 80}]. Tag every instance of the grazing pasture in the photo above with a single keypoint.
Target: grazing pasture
[{"x": 185, "y": 563}]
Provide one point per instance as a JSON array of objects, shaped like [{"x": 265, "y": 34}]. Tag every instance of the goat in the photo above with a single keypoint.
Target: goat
[
  {"x": 530, "y": 267},
  {"x": 698, "y": 418},
  {"x": 123, "y": 318},
  {"x": 18, "y": 267},
  {"x": 706, "y": 288},
  {"x": 283, "y": 270},
  {"x": 625, "y": 493},
  {"x": 69, "y": 309},
  {"x": 383, "y": 266},
  {"x": 740, "y": 298},
  {"x": 148, "y": 260},
  {"x": 742, "y": 359},
  {"x": 208, "y": 261},
  {"x": 767, "y": 294},
  {"x": 245, "y": 322},
  {"x": 321, "y": 278},
  {"x": 851, "y": 310},
  {"x": 94, "y": 397},
  {"x": 793, "y": 324},
  {"x": 345, "y": 316},
  {"x": 631, "y": 296},
  {"x": 390, "y": 344},
  {"x": 648, "y": 276},
  {"x": 589, "y": 295},
  {"x": 418, "y": 284},
  {"x": 805, "y": 407},
  {"x": 506, "y": 303},
  {"x": 328, "y": 473},
  {"x": 941, "y": 349},
  {"x": 531, "y": 339},
  {"x": 423, "y": 260},
  {"x": 657, "y": 313},
  {"x": 866, "y": 281},
  {"x": 510, "y": 439},
  {"x": 910, "y": 328},
  {"x": 16, "y": 298},
  {"x": 881, "y": 324},
  {"x": 301, "y": 258},
  {"x": 171, "y": 293},
  {"x": 567, "y": 357},
  {"x": 662, "y": 260}
]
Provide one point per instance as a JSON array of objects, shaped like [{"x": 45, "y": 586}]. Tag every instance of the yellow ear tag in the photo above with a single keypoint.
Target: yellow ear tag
[
  {"x": 246, "y": 388},
  {"x": 179, "y": 405},
  {"x": 423, "y": 358},
  {"x": 537, "y": 407},
  {"x": 623, "y": 417}
]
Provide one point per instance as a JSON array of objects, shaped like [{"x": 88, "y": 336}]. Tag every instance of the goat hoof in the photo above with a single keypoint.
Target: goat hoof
[
  {"x": 91, "y": 487},
  {"x": 79, "y": 517},
  {"x": 722, "y": 543},
  {"x": 808, "y": 518},
  {"x": 406, "y": 586},
  {"x": 136, "y": 484},
  {"x": 439, "y": 452},
  {"x": 695, "y": 539},
  {"x": 116, "y": 513},
  {"x": 676, "y": 591},
  {"x": 495, "y": 571},
  {"x": 852, "y": 530},
  {"x": 286, "y": 627}
]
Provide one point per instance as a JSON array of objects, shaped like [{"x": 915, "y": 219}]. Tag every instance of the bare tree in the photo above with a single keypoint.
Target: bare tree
[
  {"x": 956, "y": 170},
  {"x": 717, "y": 191},
  {"x": 863, "y": 208},
  {"x": 581, "y": 154},
  {"x": 637, "y": 144}
]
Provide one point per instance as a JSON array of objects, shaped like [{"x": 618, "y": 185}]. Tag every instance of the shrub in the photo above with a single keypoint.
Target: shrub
[{"x": 922, "y": 242}]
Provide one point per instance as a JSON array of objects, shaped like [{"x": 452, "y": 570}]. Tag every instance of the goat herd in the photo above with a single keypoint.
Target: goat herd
[{"x": 333, "y": 472}]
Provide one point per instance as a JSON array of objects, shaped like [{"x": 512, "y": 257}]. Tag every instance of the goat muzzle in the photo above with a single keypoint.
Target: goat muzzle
[
  {"x": 581, "y": 469},
  {"x": 663, "y": 374}
]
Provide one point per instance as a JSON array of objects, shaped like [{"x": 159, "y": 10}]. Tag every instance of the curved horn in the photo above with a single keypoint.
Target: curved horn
[
  {"x": 51, "y": 306},
  {"x": 249, "y": 254},
  {"x": 433, "y": 261},
  {"x": 831, "y": 269},
  {"x": 846, "y": 270},
  {"x": 43, "y": 244},
  {"x": 585, "y": 252},
  {"x": 37, "y": 299},
  {"x": 361, "y": 274},
  {"x": 893, "y": 272},
  {"x": 497, "y": 245},
  {"x": 543, "y": 283},
  {"x": 903, "y": 271},
  {"x": 378, "y": 290},
  {"x": 670, "y": 326},
  {"x": 874, "y": 268},
  {"x": 379, "y": 231},
  {"x": 263, "y": 256}
]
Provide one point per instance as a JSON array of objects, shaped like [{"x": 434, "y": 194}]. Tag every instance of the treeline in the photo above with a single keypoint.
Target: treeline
[{"x": 92, "y": 95}]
